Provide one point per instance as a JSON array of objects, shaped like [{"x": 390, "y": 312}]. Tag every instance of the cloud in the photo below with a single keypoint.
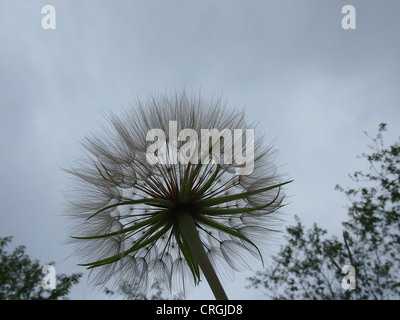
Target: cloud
[{"x": 312, "y": 86}]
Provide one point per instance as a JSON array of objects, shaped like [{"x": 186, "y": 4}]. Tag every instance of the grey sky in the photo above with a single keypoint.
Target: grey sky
[{"x": 313, "y": 87}]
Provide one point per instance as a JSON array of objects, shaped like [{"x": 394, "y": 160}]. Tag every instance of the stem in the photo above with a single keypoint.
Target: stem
[{"x": 191, "y": 236}]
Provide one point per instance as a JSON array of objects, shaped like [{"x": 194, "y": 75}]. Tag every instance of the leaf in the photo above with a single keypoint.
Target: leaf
[
  {"x": 141, "y": 224},
  {"x": 190, "y": 259},
  {"x": 216, "y": 211},
  {"x": 141, "y": 242},
  {"x": 151, "y": 201},
  {"x": 218, "y": 200},
  {"x": 207, "y": 185},
  {"x": 227, "y": 230}
]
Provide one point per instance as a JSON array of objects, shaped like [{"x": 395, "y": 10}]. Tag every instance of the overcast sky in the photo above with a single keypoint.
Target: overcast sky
[{"x": 313, "y": 87}]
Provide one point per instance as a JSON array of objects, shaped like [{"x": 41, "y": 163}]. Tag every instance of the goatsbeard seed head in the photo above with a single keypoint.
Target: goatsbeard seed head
[{"x": 123, "y": 210}]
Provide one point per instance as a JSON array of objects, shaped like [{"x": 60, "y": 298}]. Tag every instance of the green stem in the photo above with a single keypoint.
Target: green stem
[{"x": 191, "y": 236}]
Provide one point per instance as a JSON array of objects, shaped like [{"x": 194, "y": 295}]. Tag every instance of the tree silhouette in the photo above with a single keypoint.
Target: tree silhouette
[
  {"x": 310, "y": 265},
  {"x": 21, "y": 277},
  {"x": 133, "y": 291}
]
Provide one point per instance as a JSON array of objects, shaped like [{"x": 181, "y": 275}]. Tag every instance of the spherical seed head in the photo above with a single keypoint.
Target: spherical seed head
[{"x": 124, "y": 207}]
